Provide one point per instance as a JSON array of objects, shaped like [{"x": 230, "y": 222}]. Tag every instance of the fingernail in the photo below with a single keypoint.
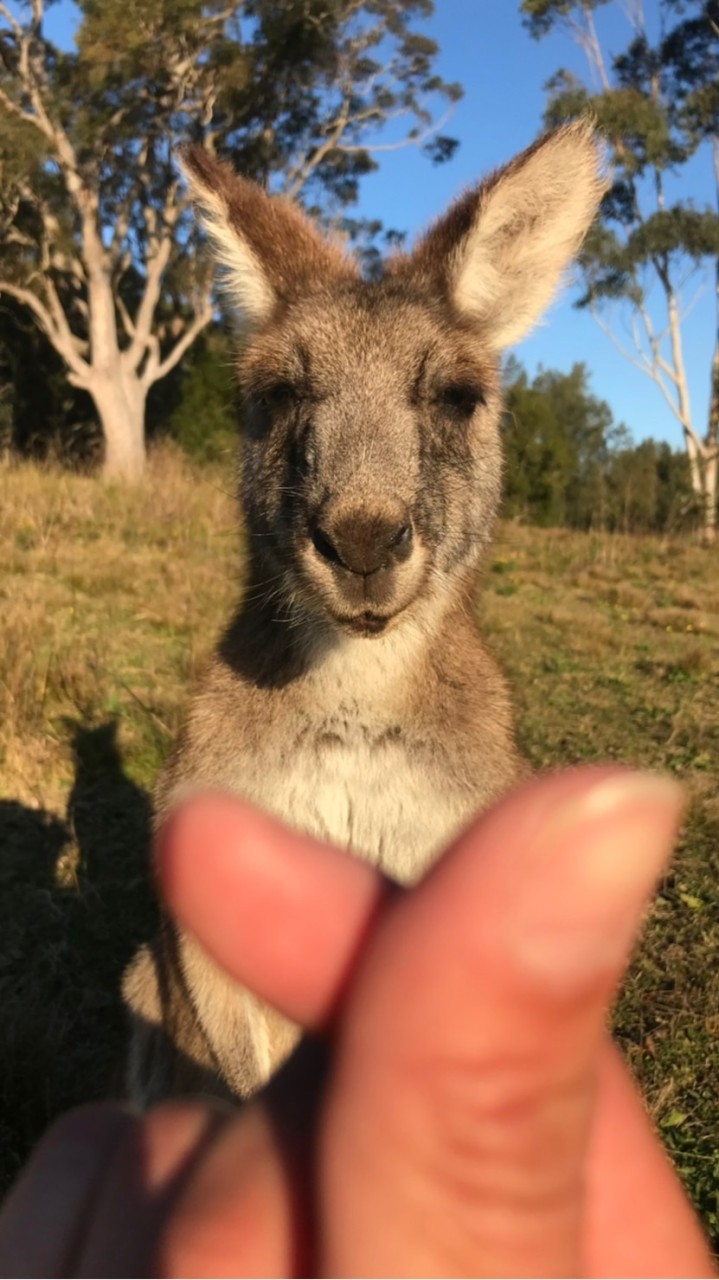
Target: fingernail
[{"x": 602, "y": 853}]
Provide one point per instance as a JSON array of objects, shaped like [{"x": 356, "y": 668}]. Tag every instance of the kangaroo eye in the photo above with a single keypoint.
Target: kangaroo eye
[
  {"x": 462, "y": 398},
  {"x": 279, "y": 397}
]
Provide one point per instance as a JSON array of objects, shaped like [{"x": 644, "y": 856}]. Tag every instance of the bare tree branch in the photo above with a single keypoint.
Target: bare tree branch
[
  {"x": 634, "y": 11},
  {"x": 30, "y": 300},
  {"x": 125, "y": 317},
  {"x": 640, "y": 360},
  {"x": 156, "y": 265},
  {"x": 653, "y": 368},
  {"x": 585, "y": 35},
  {"x": 61, "y": 338},
  {"x": 159, "y": 369},
  {"x": 655, "y": 345},
  {"x": 417, "y": 140},
  {"x": 13, "y": 22},
  {"x": 298, "y": 175},
  {"x": 13, "y": 109}
]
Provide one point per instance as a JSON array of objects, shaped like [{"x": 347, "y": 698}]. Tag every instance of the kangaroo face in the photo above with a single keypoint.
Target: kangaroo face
[
  {"x": 371, "y": 455},
  {"x": 372, "y": 462}
]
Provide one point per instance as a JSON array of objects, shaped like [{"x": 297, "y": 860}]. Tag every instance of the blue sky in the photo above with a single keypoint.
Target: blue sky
[{"x": 503, "y": 71}]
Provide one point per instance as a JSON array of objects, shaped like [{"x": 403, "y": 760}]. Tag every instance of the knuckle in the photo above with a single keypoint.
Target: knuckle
[{"x": 498, "y": 1130}]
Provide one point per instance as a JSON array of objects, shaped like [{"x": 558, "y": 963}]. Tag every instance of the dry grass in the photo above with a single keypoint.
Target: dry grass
[
  {"x": 105, "y": 594},
  {"x": 108, "y": 601}
]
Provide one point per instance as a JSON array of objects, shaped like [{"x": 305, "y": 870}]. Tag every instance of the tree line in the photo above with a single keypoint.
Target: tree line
[{"x": 569, "y": 464}]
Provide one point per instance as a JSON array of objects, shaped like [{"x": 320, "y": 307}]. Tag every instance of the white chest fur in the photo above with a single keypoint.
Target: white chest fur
[
  {"x": 367, "y": 794},
  {"x": 353, "y": 772}
]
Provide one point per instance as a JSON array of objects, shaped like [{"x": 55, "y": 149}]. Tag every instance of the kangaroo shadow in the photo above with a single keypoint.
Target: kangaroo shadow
[{"x": 75, "y": 899}]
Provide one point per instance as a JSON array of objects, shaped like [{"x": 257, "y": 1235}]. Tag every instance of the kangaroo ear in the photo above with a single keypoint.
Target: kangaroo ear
[
  {"x": 267, "y": 249},
  {"x": 500, "y": 251}
]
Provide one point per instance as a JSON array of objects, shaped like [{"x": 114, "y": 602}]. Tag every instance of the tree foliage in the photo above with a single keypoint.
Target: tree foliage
[
  {"x": 41, "y": 414},
  {"x": 204, "y": 410},
  {"x": 568, "y": 463},
  {"x": 542, "y": 15}
]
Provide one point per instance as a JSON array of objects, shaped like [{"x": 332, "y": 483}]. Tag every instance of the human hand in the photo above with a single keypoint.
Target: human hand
[{"x": 472, "y": 1117}]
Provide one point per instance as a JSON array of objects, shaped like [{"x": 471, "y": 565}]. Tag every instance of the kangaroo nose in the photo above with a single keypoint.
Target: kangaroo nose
[{"x": 364, "y": 541}]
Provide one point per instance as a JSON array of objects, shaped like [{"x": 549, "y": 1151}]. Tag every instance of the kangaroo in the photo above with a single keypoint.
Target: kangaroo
[{"x": 351, "y": 694}]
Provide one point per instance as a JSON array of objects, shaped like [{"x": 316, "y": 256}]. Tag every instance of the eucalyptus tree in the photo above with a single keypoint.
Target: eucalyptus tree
[
  {"x": 657, "y": 102},
  {"x": 97, "y": 241}
]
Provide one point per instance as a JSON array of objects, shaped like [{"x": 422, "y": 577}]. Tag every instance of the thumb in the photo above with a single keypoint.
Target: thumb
[{"x": 457, "y": 1121}]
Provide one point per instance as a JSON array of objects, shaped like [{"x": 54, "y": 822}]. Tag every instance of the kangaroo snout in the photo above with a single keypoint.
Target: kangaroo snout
[
  {"x": 363, "y": 562},
  {"x": 366, "y": 539}
]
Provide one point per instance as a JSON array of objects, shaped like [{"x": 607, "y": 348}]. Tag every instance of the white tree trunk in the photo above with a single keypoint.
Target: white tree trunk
[
  {"x": 709, "y": 532},
  {"x": 120, "y": 404},
  {"x": 119, "y": 394},
  {"x": 711, "y": 462},
  {"x": 712, "y": 457}
]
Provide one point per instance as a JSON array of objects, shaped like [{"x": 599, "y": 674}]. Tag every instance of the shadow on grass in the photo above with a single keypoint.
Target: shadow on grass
[{"x": 74, "y": 901}]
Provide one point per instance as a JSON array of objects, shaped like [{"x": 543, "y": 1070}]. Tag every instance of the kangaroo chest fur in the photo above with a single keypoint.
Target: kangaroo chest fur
[
  {"x": 352, "y": 755},
  {"x": 364, "y": 788},
  {"x": 361, "y": 783}
]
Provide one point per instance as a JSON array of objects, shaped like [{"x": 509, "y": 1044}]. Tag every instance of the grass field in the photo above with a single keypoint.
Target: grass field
[{"x": 109, "y": 600}]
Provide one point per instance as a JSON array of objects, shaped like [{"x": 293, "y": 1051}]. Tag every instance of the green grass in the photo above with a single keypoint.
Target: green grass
[{"x": 110, "y": 599}]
